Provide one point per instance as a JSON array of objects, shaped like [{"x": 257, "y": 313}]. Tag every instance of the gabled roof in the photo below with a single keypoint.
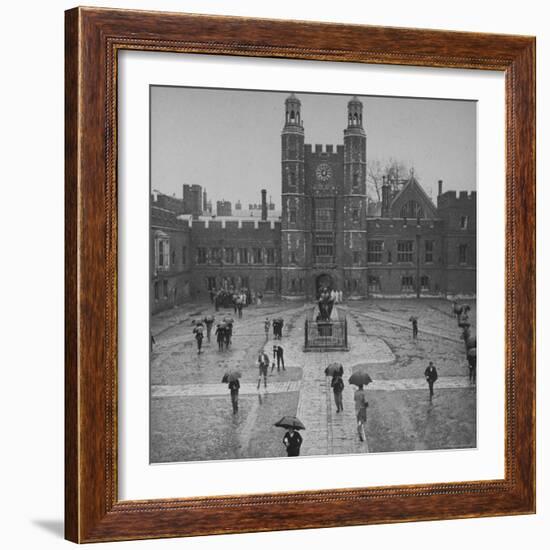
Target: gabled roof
[{"x": 412, "y": 190}]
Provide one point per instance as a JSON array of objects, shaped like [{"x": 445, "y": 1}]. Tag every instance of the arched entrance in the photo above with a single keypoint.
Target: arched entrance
[{"x": 323, "y": 281}]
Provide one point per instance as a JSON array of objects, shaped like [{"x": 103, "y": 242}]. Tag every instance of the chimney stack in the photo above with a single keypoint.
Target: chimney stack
[
  {"x": 264, "y": 205},
  {"x": 385, "y": 198},
  {"x": 439, "y": 187}
]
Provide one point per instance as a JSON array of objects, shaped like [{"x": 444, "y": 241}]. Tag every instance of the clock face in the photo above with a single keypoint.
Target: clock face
[{"x": 323, "y": 172}]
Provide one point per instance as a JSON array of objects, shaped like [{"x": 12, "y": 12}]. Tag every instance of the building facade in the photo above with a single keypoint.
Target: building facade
[{"x": 326, "y": 234}]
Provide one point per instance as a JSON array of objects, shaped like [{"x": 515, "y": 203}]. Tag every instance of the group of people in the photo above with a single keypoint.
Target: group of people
[
  {"x": 235, "y": 298},
  {"x": 463, "y": 320},
  {"x": 359, "y": 398},
  {"x": 277, "y": 324}
]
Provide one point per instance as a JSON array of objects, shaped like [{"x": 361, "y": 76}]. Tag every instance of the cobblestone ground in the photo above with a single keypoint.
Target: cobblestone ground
[{"x": 191, "y": 415}]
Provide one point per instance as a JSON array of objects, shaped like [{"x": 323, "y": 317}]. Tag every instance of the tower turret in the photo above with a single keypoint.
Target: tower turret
[{"x": 293, "y": 251}]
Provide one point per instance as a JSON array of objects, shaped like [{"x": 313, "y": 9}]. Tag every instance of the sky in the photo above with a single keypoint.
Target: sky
[{"x": 228, "y": 141}]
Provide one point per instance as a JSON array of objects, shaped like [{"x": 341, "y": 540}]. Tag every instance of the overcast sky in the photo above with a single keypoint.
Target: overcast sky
[{"x": 228, "y": 141}]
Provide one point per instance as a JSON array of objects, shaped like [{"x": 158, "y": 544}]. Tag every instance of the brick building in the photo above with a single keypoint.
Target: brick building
[{"x": 327, "y": 233}]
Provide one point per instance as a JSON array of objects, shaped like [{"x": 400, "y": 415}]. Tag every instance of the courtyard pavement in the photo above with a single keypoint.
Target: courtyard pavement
[{"x": 191, "y": 416}]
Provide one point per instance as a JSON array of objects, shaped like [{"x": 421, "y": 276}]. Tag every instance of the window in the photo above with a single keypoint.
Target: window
[
  {"x": 165, "y": 288},
  {"x": 462, "y": 253},
  {"x": 424, "y": 282},
  {"x": 292, "y": 179},
  {"x": 245, "y": 282},
  {"x": 407, "y": 284},
  {"x": 216, "y": 255},
  {"x": 156, "y": 287},
  {"x": 412, "y": 209},
  {"x": 270, "y": 256},
  {"x": 301, "y": 284},
  {"x": 324, "y": 247},
  {"x": 293, "y": 257},
  {"x": 292, "y": 215},
  {"x": 355, "y": 214},
  {"x": 463, "y": 222},
  {"x": 257, "y": 255},
  {"x": 243, "y": 255},
  {"x": 270, "y": 283},
  {"x": 374, "y": 251},
  {"x": 173, "y": 257},
  {"x": 324, "y": 214},
  {"x": 183, "y": 255},
  {"x": 293, "y": 284},
  {"x": 211, "y": 283},
  {"x": 373, "y": 282},
  {"x": 429, "y": 251},
  {"x": 355, "y": 181},
  {"x": 404, "y": 251},
  {"x": 162, "y": 251},
  {"x": 201, "y": 255},
  {"x": 356, "y": 257},
  {"x": 229, "y": 256}
]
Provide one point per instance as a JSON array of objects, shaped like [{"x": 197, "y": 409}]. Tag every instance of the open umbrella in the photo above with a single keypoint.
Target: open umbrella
[
  {"x": 472, "y": 352},
  {"x": 290, "y": 422},
  {"x": 334, "y": 368},
  {"x": 413, "y": 318},
  {"x": 228, "y": 320},
  {"x": 360, "y": 378},
  {"x": 231, "y": 376}
]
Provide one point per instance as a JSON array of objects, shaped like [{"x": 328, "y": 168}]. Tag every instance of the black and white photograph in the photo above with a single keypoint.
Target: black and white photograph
[{"x": 312, "y": 274}]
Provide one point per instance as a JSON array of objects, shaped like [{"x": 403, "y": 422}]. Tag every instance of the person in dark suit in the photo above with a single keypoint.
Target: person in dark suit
[
  {"x": 431, "y": 376},
  {"x": 234, "y": 386},
  {"x": 292, "y": 441},
  {"x": 279, "y": 354},
  {"x": 337, "y": 385}
]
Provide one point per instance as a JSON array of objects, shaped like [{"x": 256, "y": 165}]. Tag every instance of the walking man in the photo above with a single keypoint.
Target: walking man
[
  {"x": 292, "y": 441},
  {"x": 279, "y": 354},
  {"x": 472, "y": 368},
  {"x": 220, "y": 336},
  {"x": 361, "y": 404},
  {"x": 198, "y": 337},
  {"x": 267, "y": 325},
  {"x": 337, "y": 385},
  {"x": 263, "y": 365},
  {"x": 431, "y": 376},
  {"x": 234, "y": 386},
  {"x": 414, "y": 322}
]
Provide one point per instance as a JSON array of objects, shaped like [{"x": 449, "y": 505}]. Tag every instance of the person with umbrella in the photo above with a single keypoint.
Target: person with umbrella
[
  {"x": 359, "y": 379},
  {"x": 263, "y": 365},
  {"x": 431, "y": 376},
  {"x": 231, "y": 378},
  {"x": 208, "y": 321},
  {"x": 197, "y": 331},
  {"x": 292, "y": 440},
  {"x": 337, "y": 386}
]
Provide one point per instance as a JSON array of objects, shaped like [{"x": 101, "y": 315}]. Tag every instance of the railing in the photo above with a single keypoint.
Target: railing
[{"x": 326, "y": 335}]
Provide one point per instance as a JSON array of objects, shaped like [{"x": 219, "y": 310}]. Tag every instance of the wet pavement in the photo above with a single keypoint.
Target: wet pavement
[{"x": 191, "y": 413}]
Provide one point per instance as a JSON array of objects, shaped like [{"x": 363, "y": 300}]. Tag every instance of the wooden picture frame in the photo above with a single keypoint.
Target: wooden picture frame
[{"x": 93, "y": 511}]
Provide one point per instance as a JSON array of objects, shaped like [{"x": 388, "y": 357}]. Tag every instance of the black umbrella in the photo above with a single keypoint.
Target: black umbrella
[
  {"x": 334, "y": 368},
  {"x": 360, "y": 378},
  {"x": 290, "y": 422},
  {"x": 231, "y": 376}
]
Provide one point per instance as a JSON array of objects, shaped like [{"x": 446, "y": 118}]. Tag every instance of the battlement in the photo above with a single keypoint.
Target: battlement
[
  {"x": 323, "y": 150},
  {"x": 235, "y": 227},
  {"x": 389, "y": 225},
  {"x": 457, "y": 199}
]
